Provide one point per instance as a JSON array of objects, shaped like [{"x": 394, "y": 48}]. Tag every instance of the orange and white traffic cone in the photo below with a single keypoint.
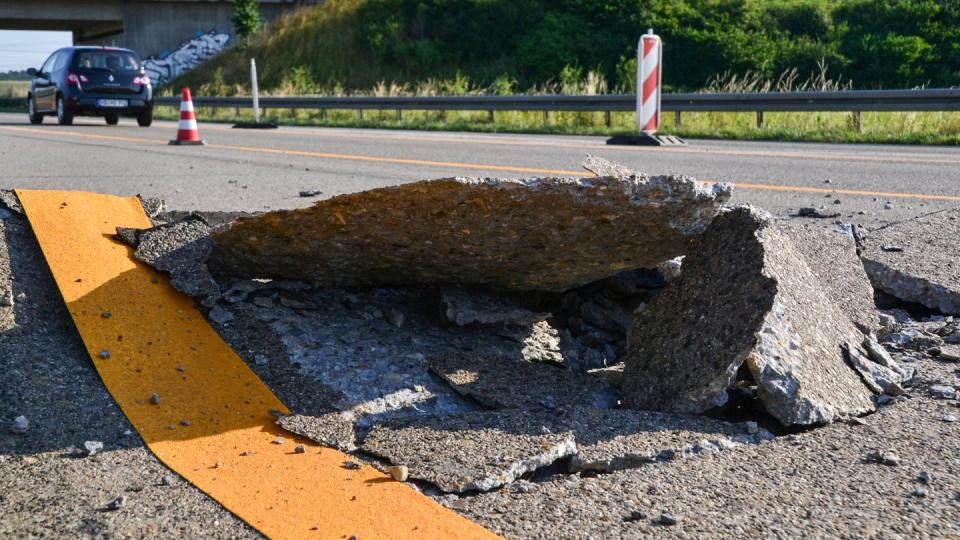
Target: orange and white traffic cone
[{"x": 187, "y": 132}]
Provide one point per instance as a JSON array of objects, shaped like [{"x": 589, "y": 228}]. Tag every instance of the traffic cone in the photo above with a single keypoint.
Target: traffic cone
[{"x": 187, "y": 132}]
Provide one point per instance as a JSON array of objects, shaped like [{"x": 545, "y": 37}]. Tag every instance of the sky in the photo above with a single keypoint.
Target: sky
[{"x": 22, "y": 49}]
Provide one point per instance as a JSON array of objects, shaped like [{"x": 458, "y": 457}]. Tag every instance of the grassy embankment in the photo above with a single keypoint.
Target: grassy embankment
[{"x": 350, "y": 47}]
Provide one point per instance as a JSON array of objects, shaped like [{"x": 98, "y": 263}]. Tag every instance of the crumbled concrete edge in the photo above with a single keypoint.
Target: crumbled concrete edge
[
  {"x": 8, "y": 198},
  {"x": 566, "y": 448},
  {"x": 604, "y": 167},
  {"x": 628, "y": 461},
  {"x": 912, "y": 288},
  {"x": 333, "y": 430}
]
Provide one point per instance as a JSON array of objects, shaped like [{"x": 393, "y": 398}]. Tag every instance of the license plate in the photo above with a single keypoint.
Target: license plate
[{"x": 111, "y": 103}]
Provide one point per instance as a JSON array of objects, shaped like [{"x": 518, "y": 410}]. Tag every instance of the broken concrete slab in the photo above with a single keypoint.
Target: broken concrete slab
[
  {"x": 923, "y": 268},
  {"x": 505, "y": 383},
  {"x": 613, "y": 440},
  {"x": 334, "y": 430},
  {"x": 879, "y": 379},
  {"x": 547, "y": 234},
  {"x": 463, "y": 307},
  {"x": 746, "y": 295},
  {"x": 604, "y": 167},
  {"x": 179, "y": 248},
  {"x": 831, "y": 252},
  {"x": 473, "y": 451},
  {"x": 8, "y": 198}
]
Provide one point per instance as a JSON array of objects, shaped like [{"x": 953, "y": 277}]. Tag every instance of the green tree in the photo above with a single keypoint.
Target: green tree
[{"x": 246, "y": 18}]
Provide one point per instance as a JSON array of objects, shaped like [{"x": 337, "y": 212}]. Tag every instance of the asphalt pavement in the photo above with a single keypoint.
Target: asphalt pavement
[{"x": 255, "y": 170}]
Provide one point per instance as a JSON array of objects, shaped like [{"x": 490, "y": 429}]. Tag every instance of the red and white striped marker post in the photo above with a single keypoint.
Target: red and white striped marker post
[
  {"x": 649, "y": 55},
  {"x": 187, "y": 132}
]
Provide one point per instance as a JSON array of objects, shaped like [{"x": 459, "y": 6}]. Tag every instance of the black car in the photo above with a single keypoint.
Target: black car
[{"x": 90, "y": 81}]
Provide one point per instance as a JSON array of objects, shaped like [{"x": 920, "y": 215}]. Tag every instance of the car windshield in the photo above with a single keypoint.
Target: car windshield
[{"x": 111, "y": 60}]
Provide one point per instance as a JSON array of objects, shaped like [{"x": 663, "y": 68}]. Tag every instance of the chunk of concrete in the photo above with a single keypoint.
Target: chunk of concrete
[
  {"x": 746, "y": 294},
  {"x": 477, "y": 451},
  {"x": 335, "y": 430},
  {"x": 604, "y": 167},
  {"x": 181, "y": 249},
  {"x": 916, "y": 261},
  {"x": 548, "y": 234},
  {"x": 613, "y": 440},
  {"x": 463, "y": 307},
  {"x": 831, "y": 253},
  {"x": 505, "y": 383}
]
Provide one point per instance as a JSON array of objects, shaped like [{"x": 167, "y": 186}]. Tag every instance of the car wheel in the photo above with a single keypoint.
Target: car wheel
[
  {"x": 145, "y": 118},
  {"x": 35, "y": 117},
  {"x": 112, "y": 119},
  {"x": 64, "y": 117}
]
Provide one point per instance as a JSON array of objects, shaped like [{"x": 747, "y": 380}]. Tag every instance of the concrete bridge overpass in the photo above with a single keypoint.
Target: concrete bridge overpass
[{"x": 150, "y": 27}]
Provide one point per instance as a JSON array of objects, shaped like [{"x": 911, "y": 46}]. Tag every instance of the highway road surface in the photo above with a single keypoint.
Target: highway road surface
[{"x": 255, "y": 170}]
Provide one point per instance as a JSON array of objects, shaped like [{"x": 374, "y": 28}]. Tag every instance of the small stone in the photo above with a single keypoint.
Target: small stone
[
  {"x": 891, "y": 248},
  {"x": 20, "y": 425},
  {"x": 950, "y": 418},
  {"x": 667, "y": 520},
  {"x": 185, "y": 423},
  {"x": 311, "y": 192},
  {"x": 942, "y": 391},
  {"x": 857, "y": 421},
  {"x": 888, "y": 206},
  {"x": 116, "y": 504},
  {"x": 279, "y": 440},
  {"x": 92, "y": 447},
  {"x": 350, "y": 465},
  {"x": 6, "y": 299},
  {"x": 104, "y": 354},
  {"x": 106, "y": 314},
  {"x": 884, "y": 457},
  {"x": 154, "y": 399},
  {"x": 220, "y": 315},
  {"x": 919, "y": 492},
  {"x": 167, "y": 480},
  {"x": 924, "y": 477},
  {"x": 300, "y": 449},
  {"x": 837, "y": 201},
  {"x": 395, "y": 317},
  {"x": 399, "y": 473},
  {"x": 217, "y": 465}
]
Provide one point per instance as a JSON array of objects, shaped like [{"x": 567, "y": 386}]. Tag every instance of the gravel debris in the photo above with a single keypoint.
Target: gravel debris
[
  {"x": 884, "y": 457},
  {"x": 92, "y": 447},
  {"x": 942, "y": 391},
  {"x": 949, "y": 418},
  {"x": 399, "y": 472},
  {"x": 116, "y": 504},
  {"x": 104, "y": 354},
  {"x": 167, "y": 480},
  {"x": 300, "y": 449},
  {"x": 20, "y": 425},
  {"x": 154, "y": 399},
  {"x": 351, "y": 465}
]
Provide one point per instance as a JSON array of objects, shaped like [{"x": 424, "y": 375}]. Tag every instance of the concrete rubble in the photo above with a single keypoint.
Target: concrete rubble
[
  {"x": 505, "y": 383},
  {"x": 335, "y": 430},
  {"x": 915, "y": 260},
  {"x": 179, "y": 248},
  {"x": 482, "y": 451},
  {"x": 831, "y": 253},
  {"x": 477, "y": 451},
  {"x": 540, "y": 234},
  {"x": 746, "y": 297}
]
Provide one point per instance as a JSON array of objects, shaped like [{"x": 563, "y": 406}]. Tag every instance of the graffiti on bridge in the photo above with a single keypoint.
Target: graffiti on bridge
[{"x": 187, "y": 56}]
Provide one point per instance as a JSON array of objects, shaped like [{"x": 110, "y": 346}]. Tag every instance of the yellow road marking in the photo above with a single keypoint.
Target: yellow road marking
[
  {"x": 483, "y": 166},
  {"x": 211, "y": 422}
]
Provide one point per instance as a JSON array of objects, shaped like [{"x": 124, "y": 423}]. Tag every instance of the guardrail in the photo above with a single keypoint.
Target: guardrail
[{"x": 854, "y": 101}]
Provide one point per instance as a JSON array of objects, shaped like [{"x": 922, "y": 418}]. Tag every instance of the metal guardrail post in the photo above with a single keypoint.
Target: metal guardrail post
[
  {"x": 759, "y": 119},
  {"x": 678, "y": 122},
  {"x": 857, "y": 126}
]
